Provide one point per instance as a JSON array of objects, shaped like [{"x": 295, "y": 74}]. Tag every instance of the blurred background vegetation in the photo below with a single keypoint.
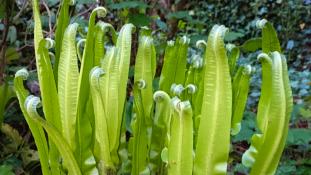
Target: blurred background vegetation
[{"x": 168, "y": 19}]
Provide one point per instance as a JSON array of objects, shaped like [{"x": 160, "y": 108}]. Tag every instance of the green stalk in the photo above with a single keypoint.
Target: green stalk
[
  {"x": 110, "y": 94},
  {"x": 38, "y": 36},
  {"x": 166, "y": 78},
  {"x": 160, "y": 130},
  {"x": 234, "y": 54},
  {"x": 101, "y": 29},
  {"x": 240, "y": 89},
  {"x": 31, "y": 104},
  {"x": 47, "y": 86},
  {"x": 289, "y": 108},
  {"x": 85, "y": 112},
  {"x": 250, "y": 155},
  {"x": 275, "y": 136},
  {"x": 68, "y": 84},
  {"x": 145, "y": 70},
  {"x": 62, "y": 23},
  {"x": 198, "y": 64},
  {"x": 180, "y": 154},
  {"x": 140, "y": 138},
  {"x": 270, "y": 42},
  {"x": 80, "y": 44},
  {"x": 101, "y": 146},
  {"x": 37, "y": 131},
  {"x": 180, "y": 73},
  {"x": 175, "y": 62},
  {"x": 124, "y": 43},
  {"x": 143, "y": 102}
]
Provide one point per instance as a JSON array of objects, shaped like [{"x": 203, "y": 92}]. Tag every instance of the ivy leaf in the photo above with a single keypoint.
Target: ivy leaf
[
  {"x": 299, "y": 136},
  {"x": 286, "y": 169},
  {"x": 162, "y": 25},
  {"x": 11, "y": 54},
  {"x": 12, "y": 34},
  {"x": 128, "y": 4},
  {"x": 240, "y": 168},
  {"x": 6, "y": 170},
  {"x": 306, "y": 113},
  {"x": 231, "y": 36},
  {"x": 248, "y": 128},
  {"x": 139, "y": 20},
  {"x": 290, "y": 44},
  {"x": 12, "y": 134},
  {"x": 85, "y": 1},
  {"x": 29, "y": 155},
  {"x": 251, "y": 45},
  {"x": 53, "y": 2},
  {"x": 179, "y": 15}
]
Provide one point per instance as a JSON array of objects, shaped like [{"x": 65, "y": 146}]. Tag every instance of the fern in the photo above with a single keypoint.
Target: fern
[{"x": 184, "y": 127}]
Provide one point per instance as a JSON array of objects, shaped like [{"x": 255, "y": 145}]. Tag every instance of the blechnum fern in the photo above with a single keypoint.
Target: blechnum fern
[{"x": 182, "y": 128}]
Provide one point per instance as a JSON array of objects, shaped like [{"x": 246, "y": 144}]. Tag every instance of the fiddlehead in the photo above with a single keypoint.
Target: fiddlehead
[
  {"x": 180, "y": 155},
  {"x": 31, "y": 105}
]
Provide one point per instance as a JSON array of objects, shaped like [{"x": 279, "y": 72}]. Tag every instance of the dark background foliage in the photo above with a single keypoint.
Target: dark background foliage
[{"x": 168, "y": 19}]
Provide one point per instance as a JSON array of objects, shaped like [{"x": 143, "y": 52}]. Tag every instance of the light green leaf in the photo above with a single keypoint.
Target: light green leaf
[
  {"x": 175, "y": 64},
  {"x": 250, "y": 155},
  {"x": 85, "y": 112},
  {"x": 213, "y": 141},
  {"x": 240, "y": 87},
  {"x": 63, "y": 147},
  {"x": 233, "y": 56},
  {"x": 37, "y": 131},
  {"x": 276, "y": 131},
  {"x": 270, "y": 41},
  {"x": 68, "y": 84},
  {"x": 61, "y": 23},
  {"x": 160, "y": 130},
  {"x": 101, "y": 29},
  {"x": 101, "y": 147},
  {"x": 145, "y": 70},
  {"x": 47, "y": 84},
  {"x": 140, "y": 135},
  {"x": 180, "y": 155},
  {"x": 123, "y": 45}
]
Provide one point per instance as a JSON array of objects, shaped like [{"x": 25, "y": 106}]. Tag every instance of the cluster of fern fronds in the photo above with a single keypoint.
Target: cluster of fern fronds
[{"x": 182, "y": 128}]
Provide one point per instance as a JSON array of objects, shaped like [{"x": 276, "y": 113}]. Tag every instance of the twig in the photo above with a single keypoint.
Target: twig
[
  {"x": 85, "y": 12},
  {"x": 3, "y": 42},
  {"x": 50, "y": 21},
  {"x": 23, "y": 47},
  {"x": 21, "y": 10}
]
